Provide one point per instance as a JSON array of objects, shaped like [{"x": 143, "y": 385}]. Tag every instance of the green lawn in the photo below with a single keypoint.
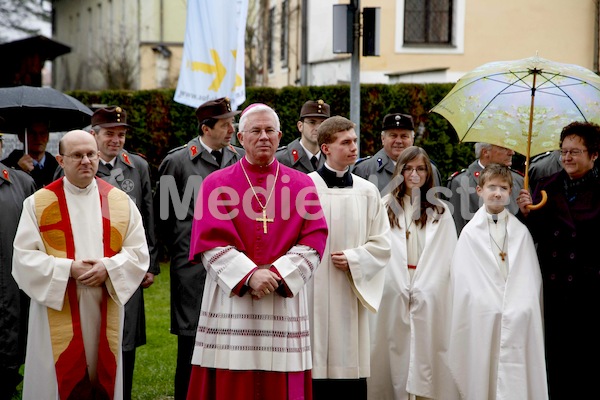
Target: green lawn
[
  {"x": 154, "y": 374},
  {"x": 155, "y": 362}
]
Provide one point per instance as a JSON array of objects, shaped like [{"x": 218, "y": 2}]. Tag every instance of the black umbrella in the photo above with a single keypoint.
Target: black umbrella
[{"x": 23, "y": 104}]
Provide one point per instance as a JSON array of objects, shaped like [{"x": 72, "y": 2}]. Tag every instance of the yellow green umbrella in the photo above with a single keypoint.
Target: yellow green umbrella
[{"x": 521, "y": 105}]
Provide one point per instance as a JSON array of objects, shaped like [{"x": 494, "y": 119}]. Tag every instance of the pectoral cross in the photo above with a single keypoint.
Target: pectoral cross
[
  {"x": 264, "y": 220},
  {"x": 407, "y": 234},
  {"x": 502, "y": 255}
]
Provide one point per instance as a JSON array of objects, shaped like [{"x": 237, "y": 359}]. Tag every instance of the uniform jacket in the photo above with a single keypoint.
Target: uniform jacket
[
  {"x": 380, "y": 168},
  {"x": 543, "y": 165},
  {"x": 464, "y": 183},
  {"x": 15, "y": 186},
  {"x": 131, "y": 174},
  {"x": 294, "y": 156},
  {"x": 181, "y": 173},
  {"x": 43, "y": 176}
]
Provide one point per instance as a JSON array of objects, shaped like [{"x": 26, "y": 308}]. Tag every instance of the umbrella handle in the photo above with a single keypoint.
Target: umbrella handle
[{"x": 541, "y": 203}]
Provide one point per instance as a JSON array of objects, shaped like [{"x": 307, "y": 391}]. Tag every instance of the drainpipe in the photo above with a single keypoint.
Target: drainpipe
[{"x": 304, "y": 42}]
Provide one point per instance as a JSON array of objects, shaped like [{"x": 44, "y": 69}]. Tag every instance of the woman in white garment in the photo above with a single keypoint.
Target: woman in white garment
[{"x": 408, "y": 334}]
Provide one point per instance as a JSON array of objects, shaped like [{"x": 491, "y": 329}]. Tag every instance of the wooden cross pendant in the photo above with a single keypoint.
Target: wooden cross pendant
[
  {"x": 264, "y": 220},
  {"x": 502, "y": 255},
  {"x": 407, "y": 234}
]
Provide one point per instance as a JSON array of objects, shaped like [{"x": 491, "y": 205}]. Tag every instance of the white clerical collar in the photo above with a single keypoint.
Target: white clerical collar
[
  {"x": 308, "y": 153},
  {"x": 501, "y": 216},
  {"x": 77, "y": 190},
  {"x": 338, "y": 173}
]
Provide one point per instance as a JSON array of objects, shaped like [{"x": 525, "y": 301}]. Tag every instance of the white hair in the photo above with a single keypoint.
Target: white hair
[
  {"x": 255, "y": 108},
  {"x": 479, "y": 146}
]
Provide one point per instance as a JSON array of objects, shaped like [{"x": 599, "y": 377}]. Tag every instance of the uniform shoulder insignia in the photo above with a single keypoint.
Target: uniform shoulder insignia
[
  {"x": 539, "y": 157},
  {"x": 6, "y": 175},
  {"x": 125, "y": 158},
  {"x": 457, "y": 173},
  {"x": 177, "y": 148},
  {"x": 281, "y": 148},
  {"x": 135, "y": 153},
  {"x": 361, "y": 160}
]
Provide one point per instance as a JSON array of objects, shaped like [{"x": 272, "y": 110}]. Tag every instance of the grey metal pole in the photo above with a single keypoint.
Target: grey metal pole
[
  {"x": 304, "y": 46},
  {"x": 355, "y": 73}
]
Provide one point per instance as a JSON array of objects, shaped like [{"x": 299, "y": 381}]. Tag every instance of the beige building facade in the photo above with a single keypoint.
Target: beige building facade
[
  {"x": 132, "y": 44},
  {"x": 421, "y": 41}
]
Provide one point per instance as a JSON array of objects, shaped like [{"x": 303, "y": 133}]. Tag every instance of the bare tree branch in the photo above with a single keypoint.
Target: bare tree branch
[{"x": 23, "y": 16}]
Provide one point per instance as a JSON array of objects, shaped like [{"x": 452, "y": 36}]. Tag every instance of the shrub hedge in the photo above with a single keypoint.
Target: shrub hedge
[{"x": 160, "y": 124}]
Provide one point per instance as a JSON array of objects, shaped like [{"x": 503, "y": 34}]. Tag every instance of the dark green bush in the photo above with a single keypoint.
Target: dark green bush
[{"x": 160, "y": 124}]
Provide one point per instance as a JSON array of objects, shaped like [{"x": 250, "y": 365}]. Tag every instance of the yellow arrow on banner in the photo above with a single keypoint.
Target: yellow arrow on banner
[{"x": 218, "y": 69}]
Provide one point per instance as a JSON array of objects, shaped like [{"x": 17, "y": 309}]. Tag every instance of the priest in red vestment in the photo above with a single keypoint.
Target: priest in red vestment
[{"x": 260, "y": 233}]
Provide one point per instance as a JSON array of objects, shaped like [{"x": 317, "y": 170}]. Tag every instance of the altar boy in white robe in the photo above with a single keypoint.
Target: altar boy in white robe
[
  {"x": 496, "y": 346},
  {"x": 348, "y": 284}
]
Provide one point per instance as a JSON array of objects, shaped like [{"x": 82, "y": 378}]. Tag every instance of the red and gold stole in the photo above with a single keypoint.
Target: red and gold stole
[{"x": 65, "y": 325}]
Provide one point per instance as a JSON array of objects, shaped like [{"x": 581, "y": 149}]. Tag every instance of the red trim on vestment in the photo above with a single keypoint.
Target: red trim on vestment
[{"x": 71, "y": 366}]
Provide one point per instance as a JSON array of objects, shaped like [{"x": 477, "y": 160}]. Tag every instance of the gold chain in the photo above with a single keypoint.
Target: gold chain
[
  {"x": 502, "y": 253},
  {"x": 252, "y": 187}
]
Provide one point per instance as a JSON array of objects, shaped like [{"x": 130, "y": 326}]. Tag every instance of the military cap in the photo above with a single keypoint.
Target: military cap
[
  {"x": 314, "y": 108},
  {"x": 398, "y": 121},
  {"x": 110, "y": 117},
  {"x": 218, "y": 109}
]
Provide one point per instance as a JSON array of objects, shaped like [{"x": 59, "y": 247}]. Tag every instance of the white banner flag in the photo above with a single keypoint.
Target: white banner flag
[{"x": 212, "y": 65}]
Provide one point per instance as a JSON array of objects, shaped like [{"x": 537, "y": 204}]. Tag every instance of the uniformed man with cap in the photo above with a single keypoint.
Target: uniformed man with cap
[
  {"x": 15, "y": 187},
  {"x": 181, "y": 173},
  {"x": 303, "y": 153},
  {"x": 464, "y": 198},
  {"x": 398, "y": 133},
  {"x": 130, "y": 173}
]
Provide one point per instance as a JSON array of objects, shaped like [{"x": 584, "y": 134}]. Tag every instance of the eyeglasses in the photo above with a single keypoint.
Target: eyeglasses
[
  {"x": 574, "y": 152},
  {"x": 92, "y": 155},
  {"x": 421, "y": 169},
  {"x": 258, "y": 132}
]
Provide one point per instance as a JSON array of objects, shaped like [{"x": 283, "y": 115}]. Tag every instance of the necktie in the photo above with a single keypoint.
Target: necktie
[
  {"x": 217, "y": 155},
  {"x": 315, "y": 162},
  {"x": 109, "y": 166}
]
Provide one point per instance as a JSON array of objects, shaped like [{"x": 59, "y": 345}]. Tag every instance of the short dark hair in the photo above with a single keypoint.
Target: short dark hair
[
  {"x": 210, "y": 122},
  {"x": 587, "y": 131},
  {"x": 494, "y": 170},
  {"x": 331, "y": 126}
]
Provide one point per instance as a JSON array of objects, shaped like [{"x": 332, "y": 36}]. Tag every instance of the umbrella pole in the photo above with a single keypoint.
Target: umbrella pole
[
  {"x": 529, "y": 134},
  {"x": 527, "y": 156},
  {"x": 26, "y": 150}
]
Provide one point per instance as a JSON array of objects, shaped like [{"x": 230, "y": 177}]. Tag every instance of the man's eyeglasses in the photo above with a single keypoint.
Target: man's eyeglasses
[
  {"x": 92, "y": 155},
  {"x": 421, "y": 169},
  {"x": 574, "y": 152}
]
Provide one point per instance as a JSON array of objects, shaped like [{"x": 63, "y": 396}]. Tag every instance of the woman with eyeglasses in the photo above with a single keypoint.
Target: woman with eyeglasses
[
  {"x": 408, "y": 332},
  {"x": 566, "y": 232}
]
